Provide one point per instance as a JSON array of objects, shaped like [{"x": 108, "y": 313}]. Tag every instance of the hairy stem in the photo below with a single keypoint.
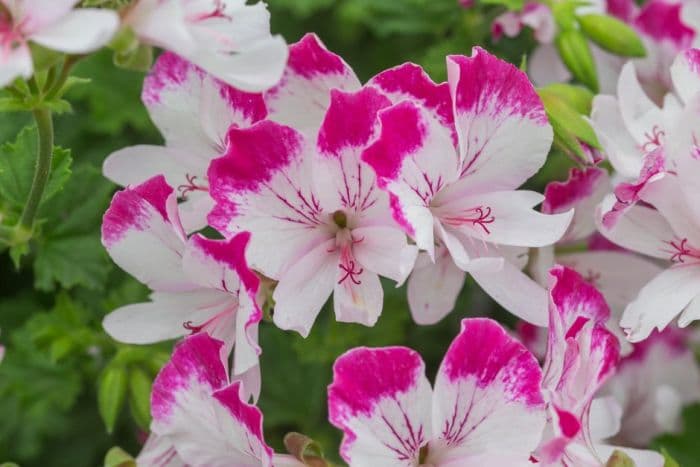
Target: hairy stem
[{"x": 44, "y": 124}]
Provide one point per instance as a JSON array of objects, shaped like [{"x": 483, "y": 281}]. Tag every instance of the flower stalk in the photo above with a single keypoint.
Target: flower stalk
[{"x": 44, "y": 123}]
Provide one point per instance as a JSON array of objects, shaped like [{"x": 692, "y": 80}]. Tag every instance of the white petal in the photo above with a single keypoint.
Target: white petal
[
  {"x": 433, "y": 287},
  {"x": 80, "y": 31},
  {"x": 384, "y": 250},
  {"x": 15, "y": 64}
]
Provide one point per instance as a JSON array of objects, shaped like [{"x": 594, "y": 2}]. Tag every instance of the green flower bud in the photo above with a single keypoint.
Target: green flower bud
[
  {"x": 576, "y": 54},
  {"x": 612, "y": 35},
  {"x": 111, "y": 394}
]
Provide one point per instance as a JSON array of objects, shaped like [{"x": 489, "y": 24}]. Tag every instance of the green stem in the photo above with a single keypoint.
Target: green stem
[
  {"x": 44, "y": 125},
  {"x": 70, "y": 61}
]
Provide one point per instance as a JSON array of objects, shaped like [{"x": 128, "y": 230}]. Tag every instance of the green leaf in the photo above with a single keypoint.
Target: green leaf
[
  {"x": 69, "y": 251},
  {"x": 576, "y": 54},
  {"x": 14, "y": 104},
  {"x": 668, "y": 460},
  {"x": 140, "y": 397},
  {"x": 117, "y": 457},
  {"x": 612, "y": 35},
  {"x": 111, "y": 394},
  {"x": 17, "y": 162}
]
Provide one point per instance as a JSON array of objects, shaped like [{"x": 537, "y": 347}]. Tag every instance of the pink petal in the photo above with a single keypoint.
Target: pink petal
[
  {"x": 502, "y": 128},
  {"x": 488, "y": 404},
  {"x": 380, "y": 398},
  {"x": 582, "y": 191},
  {"x": 312, "y": 72},
  {"x": 661, "y": 20},
  {"x": 414, "y": 158},
  {"x": 143, "y": 235},
  {"x": 195, "y": 408},
  {"x": 262, "y": 185},
  {"x": 410, "y": 82}
]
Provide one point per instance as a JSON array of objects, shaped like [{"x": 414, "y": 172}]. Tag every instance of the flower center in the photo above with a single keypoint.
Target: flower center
[
  {"x": 480, "y": 216},
  {"x": 340, "y": 219},
  {"x": 683, "y": 253}
]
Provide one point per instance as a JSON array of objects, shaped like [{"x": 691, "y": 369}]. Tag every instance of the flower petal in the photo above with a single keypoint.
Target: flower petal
[
  {"x": 204, "y": 417},
  {"x": 685, "y": 73},
  {"x": 311, "y": 73},
  {"x": 381, "y": 399},
  {"x": 15, "y": 64},
  {"x": 413, "y": 158},
  {"x": 262, "y": 185},
  {"x": 620, "y": 147},
  {"x": 487, "y": 404},
  {"x": 660, "y": 301},
  {"x": 384, "y": 250},
  {"x": 305, "y": 287},
  {"x": 515, "y": 292},
  {"x": 433, "y": 287},
  {"x": 80, "y": 31},
  {"x": 582, "y": 191},
  {"x": 501, "y": 124},
  {"x": 143, "y": 235},
  {"x": 358, "y": 298}
]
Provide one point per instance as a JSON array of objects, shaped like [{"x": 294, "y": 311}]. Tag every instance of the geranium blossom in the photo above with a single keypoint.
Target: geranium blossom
[
  {"x": 581, "y": 355},
  {"x": 452, "y": 156},
  {"x": 199, "y": 417},
  {"x": 666, "y": 226},
  {"x": 653, "y": 384},
  {"x": 227, "y": 38},
  {"x": 198, "y": 284},
  {"x": 319, "y": 224},
  {"x": 486, "y": 405},
  {"x": 53, "y": 24},
  {"x": 194, "y": 110}
]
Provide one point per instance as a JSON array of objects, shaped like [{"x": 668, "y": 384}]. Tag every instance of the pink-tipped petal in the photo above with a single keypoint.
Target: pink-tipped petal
[
  {"x": 312, "y": 72},
  {"x": 143, "y": 235},
  {"x": 381, "y": 400},
  {"x": 487, "y": 405},
  {"x": 504, "y": 136}
]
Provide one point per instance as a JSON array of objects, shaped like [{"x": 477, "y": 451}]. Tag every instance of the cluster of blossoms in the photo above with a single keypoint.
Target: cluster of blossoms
[{"x": 285, "y": 181}]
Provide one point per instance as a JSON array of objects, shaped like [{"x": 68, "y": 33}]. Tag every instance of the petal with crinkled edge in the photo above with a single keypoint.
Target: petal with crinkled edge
[
  {"x": 503, "y": 133},
  {"x": 204, "y": 418},
  {"x": 487, "y": 404},
  {"x": 381, "y": 400},
  {"x": 301, "y": 98}
]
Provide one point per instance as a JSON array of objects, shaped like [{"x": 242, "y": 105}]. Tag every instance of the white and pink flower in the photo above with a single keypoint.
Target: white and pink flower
[
  {"x": 659, "y": 217},
  {"x": 54, "y": 24},
  {"x": 319, "y": 224},
  {"x": 227, "y": 38},
  {"x": 486, "y": 404},
  {"x": 198, "y": 284},
  {"x": 451, "y": 156},
  {"x": 200, "y": 418},
  {"x": 194, "y": 111}
]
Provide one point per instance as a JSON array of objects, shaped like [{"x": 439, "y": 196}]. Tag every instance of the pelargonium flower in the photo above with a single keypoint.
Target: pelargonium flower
[
  {"x": 194, "y": 110},
  {"x": 653, "y": 384},
  {"x": 227, "y": 38},
  {"x": 486, "y": 404},
  {"x": 197, "y": 284},
  {"x": 53, "y": 24},
  {"x": 616, "y": 273},
  {"x": 666, "y": 226},
  {"x": 534, "y": 15},
  {"x": 451, "y": 156},
  {"x": 581, "y": 355},
  {"x": 200, "y": 418},
  {"x": 319, "y": 224}
]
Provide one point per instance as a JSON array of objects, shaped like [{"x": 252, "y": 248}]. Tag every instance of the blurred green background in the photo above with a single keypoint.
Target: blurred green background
[{"x": 51, "y": 307}]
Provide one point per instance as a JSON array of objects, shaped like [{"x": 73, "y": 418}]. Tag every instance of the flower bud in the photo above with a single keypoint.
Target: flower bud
[
  {"x": 111, "y": 394},
  {"x": 576, "y": 55},
  {"x": 612, "y": 35}
]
